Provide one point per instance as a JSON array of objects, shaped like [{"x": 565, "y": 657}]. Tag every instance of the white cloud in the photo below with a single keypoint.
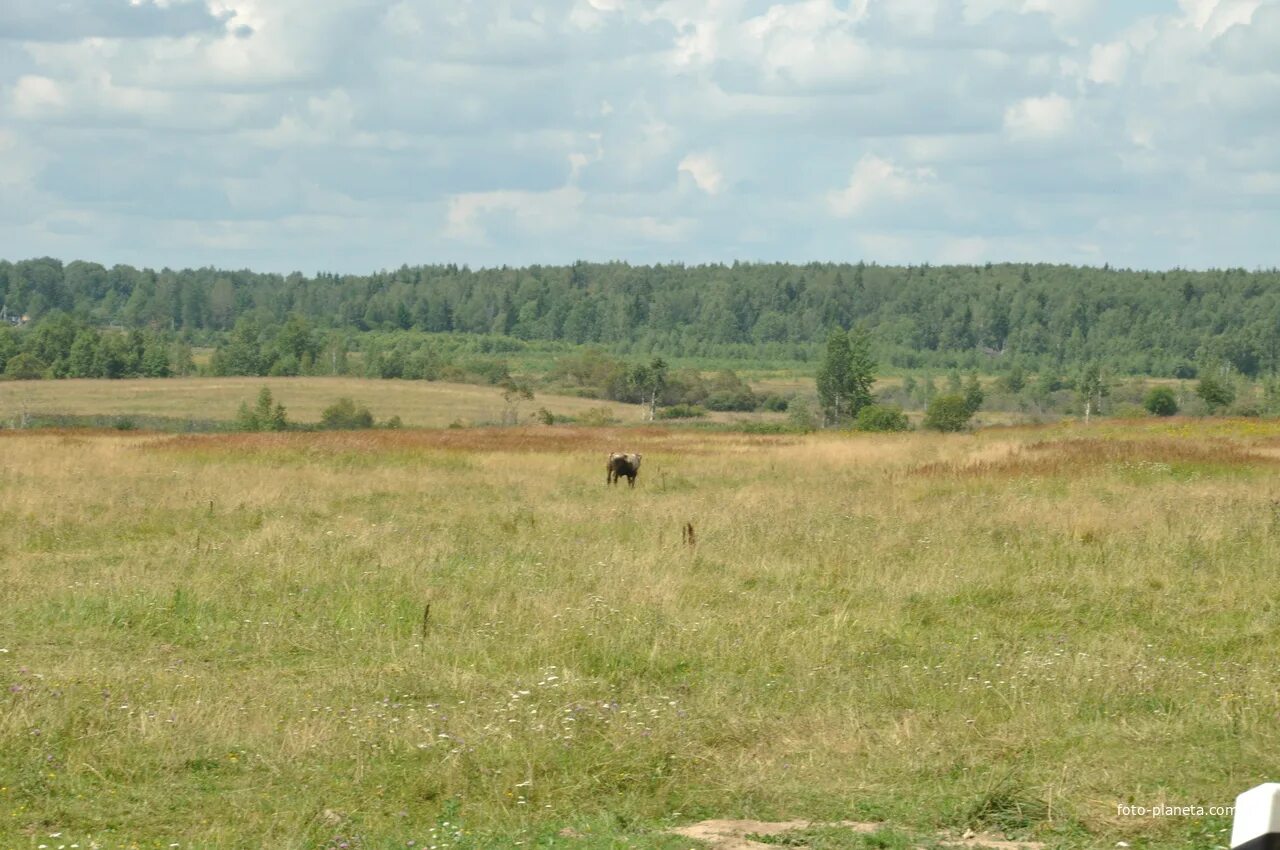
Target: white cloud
[
  {"x": 705, "y": 172},
  {"x": 1039, "y": 118},
  {"x": 1064, "y": 12},
  {"x": 36, "y": 96},
  {"x": 538, "y": 212},
  {"x": 1107, "y": 62},
  {"x": 282, "y": 132},
  {"x": 20, "y": 162},
  {"x": 875, "y": 181},
  {"x": 965, "y": 250},
  {"x": 1215, "y": 17}
]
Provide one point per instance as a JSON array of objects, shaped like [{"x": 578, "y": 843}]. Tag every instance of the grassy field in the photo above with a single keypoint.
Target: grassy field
[
  {"x": 224, "y": 641},
  {"x": 417, "y": 403}
]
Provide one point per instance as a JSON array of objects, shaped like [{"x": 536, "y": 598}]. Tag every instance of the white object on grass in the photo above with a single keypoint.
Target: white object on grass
[{"x": 1256, "y": 825}]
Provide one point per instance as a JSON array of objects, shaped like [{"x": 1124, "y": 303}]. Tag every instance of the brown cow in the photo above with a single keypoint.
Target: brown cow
[{"x": 621, "y": 464}]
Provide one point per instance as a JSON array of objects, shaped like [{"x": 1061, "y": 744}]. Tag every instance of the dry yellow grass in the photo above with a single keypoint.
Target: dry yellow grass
[
  {"x": 218, "y": 641},
  {"x": 417, "y": 403}
]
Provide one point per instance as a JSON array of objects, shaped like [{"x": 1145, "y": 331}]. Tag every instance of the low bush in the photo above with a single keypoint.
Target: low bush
[
  {"x": 1161, "y": 401},
  {"x": 881, "y": 417},
  {"x": 948, "y": 413},
  {"x": 682, "y": 411},
  {"x": 345, "y": 415}
]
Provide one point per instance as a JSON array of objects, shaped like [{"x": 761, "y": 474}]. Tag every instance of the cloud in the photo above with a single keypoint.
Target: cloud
[
  {"x": 705, "y": 172},
  {"x": 877, "y": 181},
  {"x": 72, "y": 20},
  {"x": 364, "y": 133},
  {"x": 540, "y": 212},
  {"x": 1039, "y": 118},
  {"x": 36, "y": 96},
  {"x": 1107, "y": 62}
]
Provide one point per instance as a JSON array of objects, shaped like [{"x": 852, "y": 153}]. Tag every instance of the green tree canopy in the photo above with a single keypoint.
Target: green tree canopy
[{"x": 948, "y": 413}]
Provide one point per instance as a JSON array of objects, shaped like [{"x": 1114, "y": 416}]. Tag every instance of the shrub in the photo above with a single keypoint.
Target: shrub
[
  {"x": 546, "y": 417},
  {"x": 763, "y": 428},
  {"x": 774, "y": 403},
  {"x": 1128, "y": 410},
  {"x": 800, "y": 416},
  {"x": 682, "y": 411},
  {"x": 881, "y": 417},
  {"x": 1246, "y": 407},
  {"x": 393, "y": 423},
  {"x": 948, "y": 413},
  {"x": 1014, "y": 381},
  {"x": 1161, "y": 401},
  {"x": 730, "y": 400},
  {"x": 973, "y": 394},
  {"x": 265, "y": 415},
  {"x": 597, "y": 416},
  {"x": 1215, "y": 393},
  {"x": 344, "y": 415}
]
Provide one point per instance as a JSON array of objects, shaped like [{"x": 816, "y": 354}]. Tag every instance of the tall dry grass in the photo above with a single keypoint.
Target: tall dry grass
[{"x": 221, "y": 641}]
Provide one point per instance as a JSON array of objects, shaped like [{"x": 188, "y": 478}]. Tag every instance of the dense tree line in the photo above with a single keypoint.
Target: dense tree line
[
  {"x": 995, "y": 317},
  {"x": 63, "y": 347}
]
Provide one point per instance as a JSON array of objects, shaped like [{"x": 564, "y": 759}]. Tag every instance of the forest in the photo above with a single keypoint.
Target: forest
[{"x": 992, "y": 318}]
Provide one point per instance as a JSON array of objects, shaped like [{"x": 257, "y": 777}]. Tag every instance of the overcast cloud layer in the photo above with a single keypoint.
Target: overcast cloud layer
[{"x": 351, "y": 135}]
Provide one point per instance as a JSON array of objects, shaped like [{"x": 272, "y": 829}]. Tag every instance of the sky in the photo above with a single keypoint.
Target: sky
[{"x": 356, "y": 135}]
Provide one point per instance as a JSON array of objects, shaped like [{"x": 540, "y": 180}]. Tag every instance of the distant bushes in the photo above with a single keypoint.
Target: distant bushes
[
  {"x": 682, "y": 411},
  {"x": 265, "y": 415},
  {"x": 596, "y": 416},
  {"x": 881, "y": 417},
  {"x": 345, "y": 415},
  {"x": 592, "y": 373}
]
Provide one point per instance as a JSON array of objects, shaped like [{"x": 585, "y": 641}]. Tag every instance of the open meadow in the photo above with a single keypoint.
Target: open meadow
[
  {"x": 463, "y": 638},
  {"x": 433, "y": 404}
]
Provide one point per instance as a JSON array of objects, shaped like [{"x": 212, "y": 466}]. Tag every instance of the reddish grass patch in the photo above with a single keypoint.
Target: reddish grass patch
[
  {"x": 498, "y": 440},
  {"x": 1073, "y": 456}
]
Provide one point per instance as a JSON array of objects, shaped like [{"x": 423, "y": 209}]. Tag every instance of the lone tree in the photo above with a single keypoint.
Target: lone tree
[
  {"x": 650, "y": 381},
  {"x": 948, "y": 413},
  {"x": 846, "y": 375},
  {"x": 973, "y": 395},
  {"x": 514, "y": 392},
  {"x": 1092, "y": 390},
  {"x": 1216, "y": 393}
]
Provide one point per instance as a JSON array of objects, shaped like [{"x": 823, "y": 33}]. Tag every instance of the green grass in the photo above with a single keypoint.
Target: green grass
[{"x": 219, "y": 641}]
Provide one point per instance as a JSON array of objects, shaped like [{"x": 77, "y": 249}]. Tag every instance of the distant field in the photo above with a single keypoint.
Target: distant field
[
  {"x": 223, "y": 641},
  {"x": 417, "y": 403}
]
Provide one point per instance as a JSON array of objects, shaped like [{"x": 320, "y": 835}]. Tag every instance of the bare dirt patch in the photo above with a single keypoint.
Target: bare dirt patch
[{"x": 736, "y": 834}]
